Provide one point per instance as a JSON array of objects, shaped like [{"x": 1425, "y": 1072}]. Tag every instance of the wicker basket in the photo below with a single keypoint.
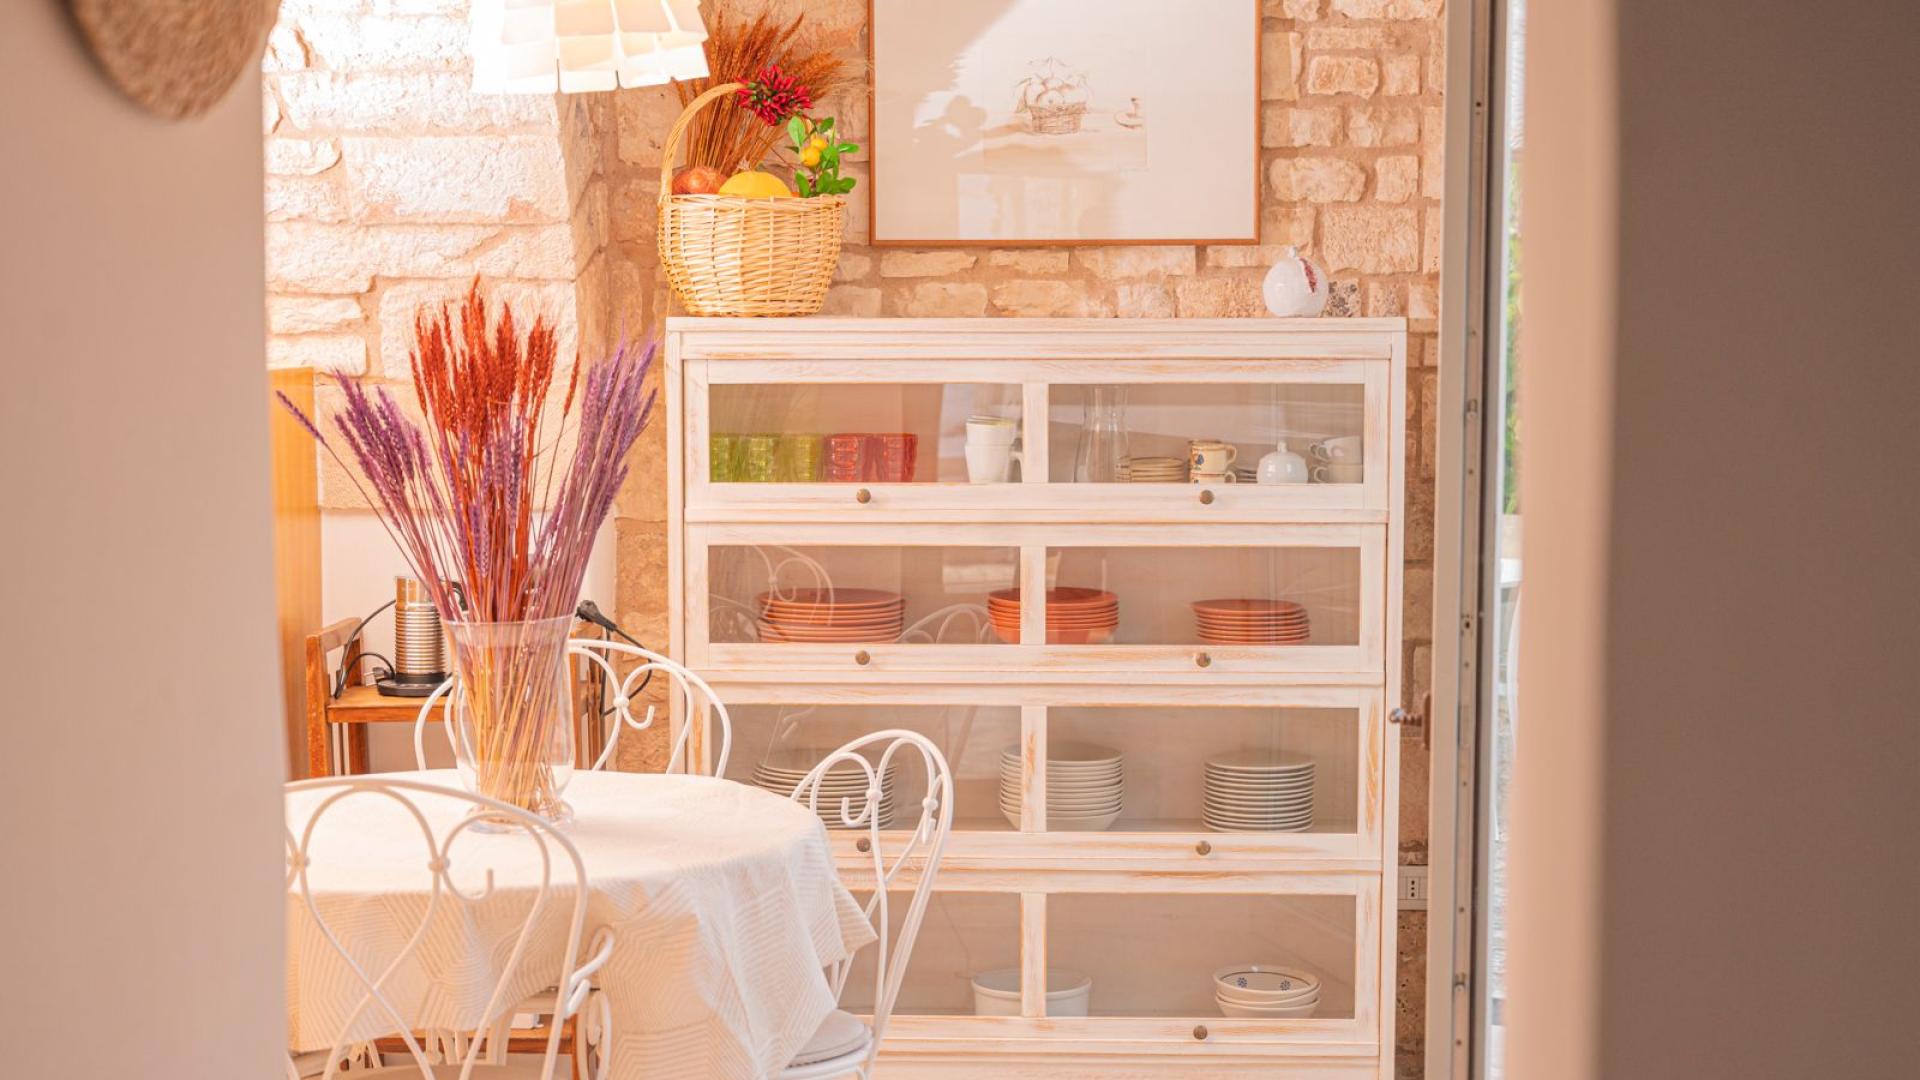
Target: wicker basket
[{"x": 727, "y": 255}]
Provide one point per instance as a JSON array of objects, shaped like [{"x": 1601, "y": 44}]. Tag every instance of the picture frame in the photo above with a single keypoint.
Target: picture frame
[{"x": 1026, "y": 123}]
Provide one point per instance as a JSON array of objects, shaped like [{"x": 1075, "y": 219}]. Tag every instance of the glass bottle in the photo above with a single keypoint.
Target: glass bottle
[{"x": 1102, "y": 454}]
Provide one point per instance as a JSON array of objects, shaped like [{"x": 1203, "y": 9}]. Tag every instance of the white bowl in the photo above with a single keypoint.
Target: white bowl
[
  {"x": 1258, "y": 1013},
  {"x": 997, "y": 993},
  {"x": 1264, "y": 982}
]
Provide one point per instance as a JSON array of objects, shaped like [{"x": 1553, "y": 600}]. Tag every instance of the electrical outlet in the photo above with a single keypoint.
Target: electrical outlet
[{"x": 1413, "y": 888}]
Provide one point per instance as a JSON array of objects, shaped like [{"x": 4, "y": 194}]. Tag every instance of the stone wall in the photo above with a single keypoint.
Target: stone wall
[
  {"x": 1351, "y": 127},
  {"x": 390, "y": 185}
]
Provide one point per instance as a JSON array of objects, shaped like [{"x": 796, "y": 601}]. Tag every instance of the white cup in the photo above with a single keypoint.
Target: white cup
[
  {"x": 1209, "y": 456},
  {"x": 988, "y": 464},
  {"x": 1343, "y": 450},
  {"x": 1346, "y": 472},
  {"x": 1214, "y": 478},
  {"x": 991, "y": 431}
]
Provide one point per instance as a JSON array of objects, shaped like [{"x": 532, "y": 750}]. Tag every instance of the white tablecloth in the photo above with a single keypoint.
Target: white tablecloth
[{"x": 723, "y": 898}]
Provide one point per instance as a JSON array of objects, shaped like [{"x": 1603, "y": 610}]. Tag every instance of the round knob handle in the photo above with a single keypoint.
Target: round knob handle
[
  {"x": 1202, "y": 660},
  {"x": 863, "y": 495},
  {"x": 1199, "y": 1031},
  {"x": 862, "y": 657},
  {"x": 1203, "y": 847},
  {"x": 1206, "y": 498},
  {"x": 863, "y": 844}
]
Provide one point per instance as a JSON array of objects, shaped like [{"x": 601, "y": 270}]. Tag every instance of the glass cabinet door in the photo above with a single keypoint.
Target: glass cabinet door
[
  {"x": 1273, "y": 960},
  {"x": 775, "y": 743},
  {"x": 963, "y": 935}
]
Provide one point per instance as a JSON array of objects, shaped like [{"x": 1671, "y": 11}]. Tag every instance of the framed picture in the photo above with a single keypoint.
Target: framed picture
[{"x": 1011, "y": 122}]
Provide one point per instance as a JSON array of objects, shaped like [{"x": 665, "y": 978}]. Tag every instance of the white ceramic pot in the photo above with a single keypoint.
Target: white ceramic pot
[
  {"x": 1283, "y": 466},
  {"x": 1295, "y": 287},
  {"x": 997, "y": 993}
]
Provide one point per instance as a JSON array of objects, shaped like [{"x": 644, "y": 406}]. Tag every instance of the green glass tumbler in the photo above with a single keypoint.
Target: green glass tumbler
[
  {"x": 797, "y": 461},
  {"x": 724, "y": 452},
  {"x": 755, "y": 461}
]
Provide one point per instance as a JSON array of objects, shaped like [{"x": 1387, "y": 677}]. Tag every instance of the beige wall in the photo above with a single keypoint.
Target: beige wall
[
  {"x": 142, "y": 844},
  {"x": 1715, "y": 796}
]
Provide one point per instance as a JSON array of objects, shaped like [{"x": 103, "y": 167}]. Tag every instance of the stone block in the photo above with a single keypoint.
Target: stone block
[
  {"x": 305, "y": 198},
  {"x": 477, "y": 179},
  {"x": 1219, "y": 296},
  {"x": 930, "y": 299},
  {"x": 854, "y": 300},
  {"x": 1031, "y": 260},
  {"x": 1416, "y": 593},
  {"x": 1142, "y": 300},
  {"x": 1384, "y": 299},
  {"x": 643, "y": 117},
  {"x": 1117, "y": 263},
  {"x": 286, "y": 48},
  {"x": 1279, "y": 66},
  {"x": 331, "y": 353},
  {"x": 1382, "y": 126},
  {"x": 852, "y": 266},
  {"x": 1433, "y": 151},
  {"x": 907, "y": 264},
  {"x": 269, "y": 111},
  {"x": 1395, "y": 178},
  {"x": 360, "y": 42},
  {"x": 1281, "y": 125},
  {"x": 303, "y": 257},
  {"x": 301, "y": 157},
  {"x": 1343, "y": 75},
  {"x": 1423, "y": 304},
  {"x": 1386, "y": 9},
  {"x": 1431, "y": 231},
  {"x": 410, "y": 101},
  {"x": 1040, "y": 298},
  {"x": 1343, "y": 298},
  {"x": 1349, "y": 38},
  {"x": 1369, "y": 239},
  {"x": 1299, "y": 10},
  {"x": 311, "y": 314},
  {"x": 1317, "y": 179},
  {"x": 1400, "y": 75},
  {"x": 1282, "y": 225}
]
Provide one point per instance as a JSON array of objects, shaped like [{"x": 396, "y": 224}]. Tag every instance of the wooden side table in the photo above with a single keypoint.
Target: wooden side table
[{"x": 337, "y": 726}]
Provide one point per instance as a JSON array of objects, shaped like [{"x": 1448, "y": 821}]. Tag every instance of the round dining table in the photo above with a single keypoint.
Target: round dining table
[{"x": 722, "y": 899}]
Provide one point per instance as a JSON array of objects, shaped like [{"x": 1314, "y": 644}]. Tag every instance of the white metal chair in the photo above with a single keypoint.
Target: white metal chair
[
  {"x": 359, "y": 1044},
  {"x": 694, "y": 692},
  {"x": 843, "y": 1045}
]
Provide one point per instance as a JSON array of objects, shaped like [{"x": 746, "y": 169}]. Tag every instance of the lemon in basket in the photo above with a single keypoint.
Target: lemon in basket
[{"x": 754, "y": 184}]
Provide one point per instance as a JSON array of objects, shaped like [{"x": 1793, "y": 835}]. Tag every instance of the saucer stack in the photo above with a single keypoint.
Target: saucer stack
[
  {"x": 1085, "y": 786},
  {"x": 1266, "y": 991},
  {"x": 1259, "y": 791},
  {"x": 1154, "y": 470},
  {"x": 1075, "y": 616},
  {"x": 1250, "y": 621},
  {"x": 781, "y": 772},
  {"x": 832, "y": 616}
]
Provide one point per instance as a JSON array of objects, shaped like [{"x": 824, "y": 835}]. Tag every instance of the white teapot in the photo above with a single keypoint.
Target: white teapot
[
  {"x": 1295, "y": 287},
  {"x": 1283, "y": 466}
]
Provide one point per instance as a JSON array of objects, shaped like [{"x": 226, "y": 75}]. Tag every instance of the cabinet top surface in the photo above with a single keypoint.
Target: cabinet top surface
[{"x": 815, "y": 324}]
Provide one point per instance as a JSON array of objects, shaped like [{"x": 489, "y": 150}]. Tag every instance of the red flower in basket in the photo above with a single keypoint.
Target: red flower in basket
[{"x": 773, "y": 96}]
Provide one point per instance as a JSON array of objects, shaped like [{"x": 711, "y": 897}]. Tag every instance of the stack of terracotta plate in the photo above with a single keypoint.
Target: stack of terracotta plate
[
  {"x": 832, "y": 616},
  {"x": 1251, "y": 622},
  {"x": 1075, "y": 616}
]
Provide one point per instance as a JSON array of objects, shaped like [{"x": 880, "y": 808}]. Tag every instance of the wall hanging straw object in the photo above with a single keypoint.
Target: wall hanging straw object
[
  {"x": 176, "y": 58},
  {"x": 728, "y": 255}
]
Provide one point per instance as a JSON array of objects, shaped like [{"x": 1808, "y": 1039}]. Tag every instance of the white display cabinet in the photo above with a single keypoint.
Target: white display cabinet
[{"x": 1177, "y": 759}]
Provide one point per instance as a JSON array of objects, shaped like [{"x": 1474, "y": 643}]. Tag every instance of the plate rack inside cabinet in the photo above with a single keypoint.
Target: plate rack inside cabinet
[{"x": 1141, "y": 580}]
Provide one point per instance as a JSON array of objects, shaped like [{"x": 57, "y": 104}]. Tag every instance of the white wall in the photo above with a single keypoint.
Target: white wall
[
  {"x": 142, "y": 854},
  {"x": 1715, "y": 797}
]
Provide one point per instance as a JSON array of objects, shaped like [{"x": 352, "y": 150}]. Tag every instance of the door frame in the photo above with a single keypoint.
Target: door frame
[{"x": 1469, "y": 433}]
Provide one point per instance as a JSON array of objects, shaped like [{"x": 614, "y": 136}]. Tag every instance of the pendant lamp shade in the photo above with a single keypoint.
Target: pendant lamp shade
[{"x": 580, "y": 46}]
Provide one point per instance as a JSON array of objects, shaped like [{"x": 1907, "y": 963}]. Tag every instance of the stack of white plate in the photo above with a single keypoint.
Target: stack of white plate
[
  {"x": 1259, "y": 791},
  {"x": 781, "y": 772},
  {"x": 1086, "y": 785},
  {"x": 1266, "y": 991}
]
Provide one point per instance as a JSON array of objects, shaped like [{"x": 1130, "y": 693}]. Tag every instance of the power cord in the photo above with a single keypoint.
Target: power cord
[{"x": 346, "y": 670}]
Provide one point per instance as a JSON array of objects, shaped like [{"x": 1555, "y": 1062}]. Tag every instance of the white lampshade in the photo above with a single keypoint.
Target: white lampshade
[{"x": 579, "y": 46}]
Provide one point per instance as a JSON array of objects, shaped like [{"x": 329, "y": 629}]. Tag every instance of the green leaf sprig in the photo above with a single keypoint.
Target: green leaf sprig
[{"x": 819, "y": 151}]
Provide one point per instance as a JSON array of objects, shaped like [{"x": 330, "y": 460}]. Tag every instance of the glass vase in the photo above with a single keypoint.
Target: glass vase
[
  {"x": 1101, "y": 457},
  {"x": 512, "y": 712}
]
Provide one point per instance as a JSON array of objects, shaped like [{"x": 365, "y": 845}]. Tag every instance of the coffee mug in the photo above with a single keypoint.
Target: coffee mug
[
  {"x": 1214, "y": 478},
  {"x": 991, "y": 431},
  {"x": 987, "y": 464},
  {"x": 1343, "y": 450},
  {"x": 1349, "y": 472},
  {"x": 1209, "y": 456}
]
